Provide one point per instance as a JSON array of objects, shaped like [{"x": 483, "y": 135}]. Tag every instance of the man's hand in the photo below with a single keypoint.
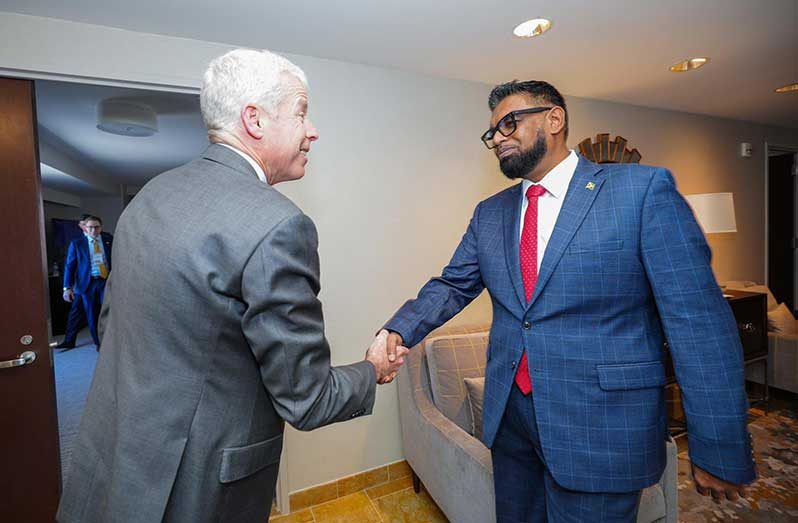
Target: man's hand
[
  {"x": 69, "y": 295},
  {"x": 394, "y": 341},
  {"x": 379, "y": 357},
  {"x": 706, "y": 484}
]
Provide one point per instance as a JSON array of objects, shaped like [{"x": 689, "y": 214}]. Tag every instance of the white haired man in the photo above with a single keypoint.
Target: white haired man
[{"x": 212, "y": 331}]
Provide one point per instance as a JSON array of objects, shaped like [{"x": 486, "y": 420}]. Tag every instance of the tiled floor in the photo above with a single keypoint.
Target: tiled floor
[{"x": 392, "y": 502}]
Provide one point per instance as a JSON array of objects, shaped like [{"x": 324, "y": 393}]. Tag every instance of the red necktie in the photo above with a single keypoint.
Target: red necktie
[{"x": 529, "y": 270}]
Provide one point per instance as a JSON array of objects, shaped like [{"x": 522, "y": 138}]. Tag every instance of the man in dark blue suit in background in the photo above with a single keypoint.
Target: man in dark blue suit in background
[
  {"x": 590, "y": 269},
  {"x": 87, "y": 266},
  {"x": 77, "y": 316}
]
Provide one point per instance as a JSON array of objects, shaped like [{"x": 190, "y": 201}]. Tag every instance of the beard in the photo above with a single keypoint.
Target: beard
[{"x": 519, "y": 165}]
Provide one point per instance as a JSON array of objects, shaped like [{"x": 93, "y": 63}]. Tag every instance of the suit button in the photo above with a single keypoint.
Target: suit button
[
  {"x": 512, "y": 364},
  {"x": 527, "y": 325}
]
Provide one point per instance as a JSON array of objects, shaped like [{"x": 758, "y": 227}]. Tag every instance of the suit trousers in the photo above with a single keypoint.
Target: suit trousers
[
  {"x": 525, "y": 490},
  {"x": 75, "y": 321},
  {"x": 92, "y": 302}
]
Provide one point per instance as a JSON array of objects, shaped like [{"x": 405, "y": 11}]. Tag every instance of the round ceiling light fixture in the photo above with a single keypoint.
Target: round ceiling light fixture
[
  {"x": 126, "y": 118},
  {"x": 691, "y": 64},
  {"x": 532, "y": 28}
]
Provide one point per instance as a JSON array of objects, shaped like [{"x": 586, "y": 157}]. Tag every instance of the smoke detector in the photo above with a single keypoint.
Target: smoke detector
[{"x": 126, "y": 118}]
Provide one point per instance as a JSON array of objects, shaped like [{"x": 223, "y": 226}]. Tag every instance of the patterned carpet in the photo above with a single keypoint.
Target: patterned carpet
[{"x": 773, "y": 497}]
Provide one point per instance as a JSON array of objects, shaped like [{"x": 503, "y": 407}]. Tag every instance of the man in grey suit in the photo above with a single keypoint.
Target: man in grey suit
[{"x": 212, "y": 331}]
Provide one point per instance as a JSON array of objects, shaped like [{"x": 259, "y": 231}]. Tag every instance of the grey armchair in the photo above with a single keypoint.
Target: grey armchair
[{"x": 454, "y": 466}]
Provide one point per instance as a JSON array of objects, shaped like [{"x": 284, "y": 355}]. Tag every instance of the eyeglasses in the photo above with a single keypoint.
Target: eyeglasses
[{"x": 508, "y": 124}]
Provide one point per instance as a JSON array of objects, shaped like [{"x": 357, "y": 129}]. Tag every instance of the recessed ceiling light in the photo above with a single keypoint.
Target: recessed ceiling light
[
  {"x": 531, "y": 28},
  {"x": 689, "y": 64},
  {"x": 789, "y": 88}
]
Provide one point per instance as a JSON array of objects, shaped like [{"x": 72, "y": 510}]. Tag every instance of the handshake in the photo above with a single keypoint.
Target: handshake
[{"x": 387, "y": 355}]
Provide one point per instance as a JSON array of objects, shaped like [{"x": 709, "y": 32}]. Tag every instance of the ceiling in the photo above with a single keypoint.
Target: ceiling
[
  {"x": 53, "y": 178},
  {"x": 615, "y": 50},
  {"x": 67, "y": 117}
]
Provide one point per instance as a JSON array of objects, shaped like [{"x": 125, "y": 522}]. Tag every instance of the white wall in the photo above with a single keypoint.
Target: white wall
[{"x": 392, "y": 183}]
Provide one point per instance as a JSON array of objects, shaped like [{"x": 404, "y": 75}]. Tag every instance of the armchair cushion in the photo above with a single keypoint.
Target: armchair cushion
[
  {"x": 782, "y": 320},
  {"x": 452, "y": 359},
  {"x": 476, "y": 393}
]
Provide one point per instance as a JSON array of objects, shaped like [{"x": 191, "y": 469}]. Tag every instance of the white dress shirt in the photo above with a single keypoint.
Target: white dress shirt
[
  {"x": 253, "y": 163},
  {"x": 556, "y": 184}
]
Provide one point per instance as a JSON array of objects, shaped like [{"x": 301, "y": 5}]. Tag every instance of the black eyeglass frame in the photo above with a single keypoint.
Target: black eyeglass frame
[{"x": 488, "y": 135}]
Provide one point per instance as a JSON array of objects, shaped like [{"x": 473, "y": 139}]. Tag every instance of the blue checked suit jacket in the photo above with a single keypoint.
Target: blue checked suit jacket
[{"x": 626, "y": 269}]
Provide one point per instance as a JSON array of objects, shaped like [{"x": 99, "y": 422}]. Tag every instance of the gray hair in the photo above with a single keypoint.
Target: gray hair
[{"x": 241, "y": 77}]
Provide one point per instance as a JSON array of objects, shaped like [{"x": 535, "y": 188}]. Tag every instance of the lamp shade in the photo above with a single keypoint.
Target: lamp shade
[
  {"x": 714, "y": 211},
  {"x": 126, "y": 118}
]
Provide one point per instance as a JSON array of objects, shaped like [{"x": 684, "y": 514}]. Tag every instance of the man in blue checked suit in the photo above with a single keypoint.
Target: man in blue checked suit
[
  {"x": 590, "y": 268},
  {"x": 86, "y": 269}
]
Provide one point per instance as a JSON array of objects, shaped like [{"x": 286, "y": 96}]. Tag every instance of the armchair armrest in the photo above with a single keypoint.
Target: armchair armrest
[
  {"x": 454, "y": 466},
  {"x": 783, "y": 361},
  {"x": 669, "y": 482}
]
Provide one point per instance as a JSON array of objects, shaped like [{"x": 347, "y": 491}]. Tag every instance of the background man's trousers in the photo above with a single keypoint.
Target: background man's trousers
[
  {"x": 92, "y": 301},
  {"x": 75, "y": 321}
]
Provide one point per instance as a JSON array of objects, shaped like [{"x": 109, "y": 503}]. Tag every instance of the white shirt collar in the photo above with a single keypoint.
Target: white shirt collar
[
  {"x": 557, "y": 180},
  {"x": 248, "y": 158}
]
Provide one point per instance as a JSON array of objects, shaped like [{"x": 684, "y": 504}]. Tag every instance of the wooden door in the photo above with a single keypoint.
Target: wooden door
[{"x": 29, "y": 453}]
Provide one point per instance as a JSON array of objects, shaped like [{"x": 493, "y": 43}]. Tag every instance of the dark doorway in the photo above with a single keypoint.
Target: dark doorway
[{"x": 781, "y": 226}]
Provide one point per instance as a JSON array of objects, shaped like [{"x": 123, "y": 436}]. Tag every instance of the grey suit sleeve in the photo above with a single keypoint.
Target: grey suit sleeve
[{"x": 284, "y": 325}]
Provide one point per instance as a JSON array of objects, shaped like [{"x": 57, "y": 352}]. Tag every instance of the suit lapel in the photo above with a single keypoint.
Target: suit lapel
[
  {"x": 511, "y": 221},
  {"x": 582, "y": 191}
]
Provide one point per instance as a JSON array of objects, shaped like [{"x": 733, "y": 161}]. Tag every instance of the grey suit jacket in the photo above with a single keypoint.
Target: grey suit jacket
[{"x": 212, "y": 336}]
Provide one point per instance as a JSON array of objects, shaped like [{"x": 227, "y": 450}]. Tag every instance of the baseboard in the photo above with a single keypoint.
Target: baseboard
[{"x": 347, "y": 485}]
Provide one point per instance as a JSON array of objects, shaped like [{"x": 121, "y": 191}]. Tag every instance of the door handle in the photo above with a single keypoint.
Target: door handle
[{"x": 23, "y": 359}]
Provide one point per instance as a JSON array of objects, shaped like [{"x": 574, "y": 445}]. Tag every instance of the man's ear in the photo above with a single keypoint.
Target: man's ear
[
  {"x": 556, "y": 120},
  {"x": 253, "y": 119}
]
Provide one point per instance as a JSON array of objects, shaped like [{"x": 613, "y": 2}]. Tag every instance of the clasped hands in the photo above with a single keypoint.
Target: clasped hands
[{"x": 387, "y": 354}]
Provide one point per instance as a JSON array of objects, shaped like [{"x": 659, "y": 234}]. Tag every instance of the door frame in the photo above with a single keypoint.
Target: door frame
[
  {"x": 770, "y": 147},
  {"x": 281, "y": 493}
]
